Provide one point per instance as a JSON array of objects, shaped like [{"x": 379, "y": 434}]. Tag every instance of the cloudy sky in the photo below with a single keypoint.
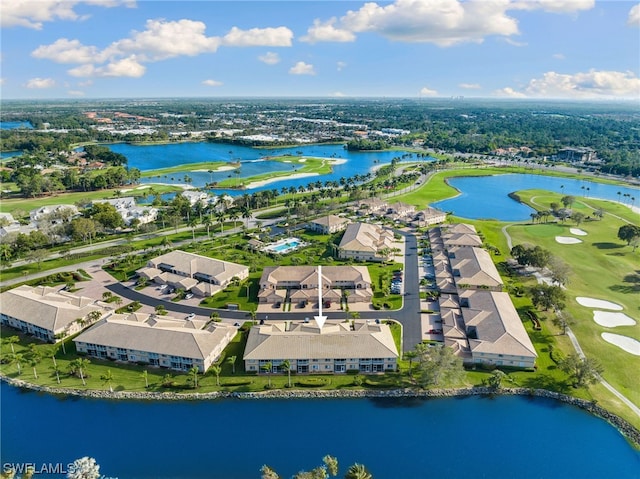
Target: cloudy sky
[{"x": 580, "y": 49}]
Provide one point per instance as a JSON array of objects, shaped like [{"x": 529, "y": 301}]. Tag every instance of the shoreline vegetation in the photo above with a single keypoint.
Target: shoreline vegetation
[{"x": 631, "y": 433}]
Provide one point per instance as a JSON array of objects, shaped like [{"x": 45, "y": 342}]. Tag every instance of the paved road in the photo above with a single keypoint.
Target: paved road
[{"x": 408, "y": 316}]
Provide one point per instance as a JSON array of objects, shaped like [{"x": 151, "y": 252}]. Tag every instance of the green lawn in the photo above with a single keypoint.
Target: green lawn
[
  {"x": 9, "y": 205},
  {"x": 603, "y": 267},
  {"x": 319, "y": 166},
  {"x": 186, "y": 168}
]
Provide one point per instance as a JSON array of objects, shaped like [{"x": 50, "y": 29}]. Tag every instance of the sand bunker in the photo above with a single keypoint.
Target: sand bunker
[
  {"x": 625, "y": 343},
  {"x": 567, "y": 240},
  {"x": 577, "y": 232},
  {"x": 598, "y": 303},
  {"x": 611, "y": 320}
]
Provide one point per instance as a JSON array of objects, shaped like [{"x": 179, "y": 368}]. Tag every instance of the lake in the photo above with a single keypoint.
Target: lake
[
  {"x": 149, "y": 157},
  {"x": 484, "y": 197},
  {"x": 472, "y": 437}
]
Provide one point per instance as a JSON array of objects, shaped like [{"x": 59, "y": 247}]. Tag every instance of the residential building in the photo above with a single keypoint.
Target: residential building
[
  {"x": 53, "y": 214},
  {"x": 129, "y": 210},
  {"x": 197, "y": 196},
  {"x": 479, "y": 321},
  {"x": 495, "y": 331},
  {"x": 372, "y": 206},
  {"x": 156, "y": 340},
  {"x": 48, "y": 313},
  {"x": 361, "y": 346},
  {"x": 428, "y": 217},
  {"x": 328, "y": 224},
  {"x": 365, "y": 242},
  {"x": 449, "y": 236},
  {"x": 472, "y": 268},
  {"x": 299, "y": 284},
  {"x": 202, "y": 275}
]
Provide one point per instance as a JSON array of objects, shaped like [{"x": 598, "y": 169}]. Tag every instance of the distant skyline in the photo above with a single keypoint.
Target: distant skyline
[{"x": 569, "y": 49}]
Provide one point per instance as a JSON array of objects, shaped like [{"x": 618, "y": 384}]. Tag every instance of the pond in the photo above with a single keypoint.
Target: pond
[
  {"x": 484, "y": 197},
  {"x": 474, "y": 437}
]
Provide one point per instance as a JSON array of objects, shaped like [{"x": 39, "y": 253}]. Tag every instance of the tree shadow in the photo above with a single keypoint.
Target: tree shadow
[
  {"x": 632, "y": 286},
  {"x": 607, "y": 245},
  {"x": 542, "y": 381}
]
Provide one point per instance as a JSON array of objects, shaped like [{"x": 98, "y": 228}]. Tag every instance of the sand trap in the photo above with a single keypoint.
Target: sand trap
[
  {"x": 256, "y": 184},
  {"x": 144, "y": 187},
  {"x": 598, "y": 303},
  {"x": 302, "y": 160},
  {"x": 577, "y": 232},
  {"x": 625, "y": 343},
  {"x": 567, "y": 240},
  {"x": 339, "y": 162},
  {"x": 611, "y": 320}
]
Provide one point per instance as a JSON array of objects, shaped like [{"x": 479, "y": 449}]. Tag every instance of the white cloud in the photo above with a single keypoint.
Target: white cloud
[
  {"x": 338, "y": 94},
  {"x": 514, "y": 43},
  {"x": 442, "y": 22},
  {"x": 161, "y": 40},
  {"x": 40, "y": 83},
  {"x": 66, "y": 51},
  {"x": 341, "y": 65},
  {"x": 634, "y": 16},
  {"x": 125, "y": 67},
  {"x": 470, "y": 86},
  {"x": 258, "y": 37},
  {"x": 270, "y": 58},
  {"x": 428, "y": 92},
  {"x": 554, "y": 6},
  {"x": 584, "y": 85},
  {"x": 212, "y": 83},
  {"x": 84, "y": 84},
  {"x": 32, "y": 14},
  {"x": 2, "y": 80},
  {"x": 509, "y": 92},
  {"x": 302, "y": 68},
  {"x": 75, "y": 93},
  {"x": 327, "y": 32},
  {"x": 558, "y": 56}
]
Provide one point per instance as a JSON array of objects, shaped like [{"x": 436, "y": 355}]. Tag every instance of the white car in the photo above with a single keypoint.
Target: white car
[{"x": 191, "y": 315}]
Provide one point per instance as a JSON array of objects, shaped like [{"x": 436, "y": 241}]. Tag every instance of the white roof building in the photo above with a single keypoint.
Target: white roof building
[
  {"x": 47, "y": 313},
  {"x": 157, "y": 340},
  {"x": 335, "y": 348}
]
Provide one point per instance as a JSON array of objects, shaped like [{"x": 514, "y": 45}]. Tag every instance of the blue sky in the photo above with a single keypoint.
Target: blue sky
[{"x": 577, "y": 49}]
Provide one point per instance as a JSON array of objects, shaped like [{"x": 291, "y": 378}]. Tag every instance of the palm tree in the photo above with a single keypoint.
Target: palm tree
[
  {"x": 286, "y": 366},
  {"x": 193, "y": 376},
  {"x": 34, "y": 358},
  {"x": 17, "y": 358},
  {"x": 56, "y": 370},
  {"x": 79, "y": 365},
  {"x": 145, "y": 376},
  {"x": 207, "y": 222},
  {"x": 221, "y": 216},
  {"x": 253, "y": 314},
  {"x": 246, "y": 214},
  {"x": 410, "y": 355},
  {"x": 192, "y": 223},
  {"x": 232, "y": 360},
  {"x": 267, "y": 367},
  {"x": 357, "y": 471},
  {"x": 107, "y": 378},
  {"x": 11, "y": 340},
  {"x": 216, "y": 370}
]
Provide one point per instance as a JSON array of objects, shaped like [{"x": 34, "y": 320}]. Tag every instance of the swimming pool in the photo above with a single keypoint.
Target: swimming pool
[{"x": 284, "y": 246}]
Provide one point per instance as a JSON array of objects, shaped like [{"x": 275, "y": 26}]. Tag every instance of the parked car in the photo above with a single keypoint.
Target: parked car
[
  {"x": 188, "y": 296},
  {"x": 191, "y": 315}
]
